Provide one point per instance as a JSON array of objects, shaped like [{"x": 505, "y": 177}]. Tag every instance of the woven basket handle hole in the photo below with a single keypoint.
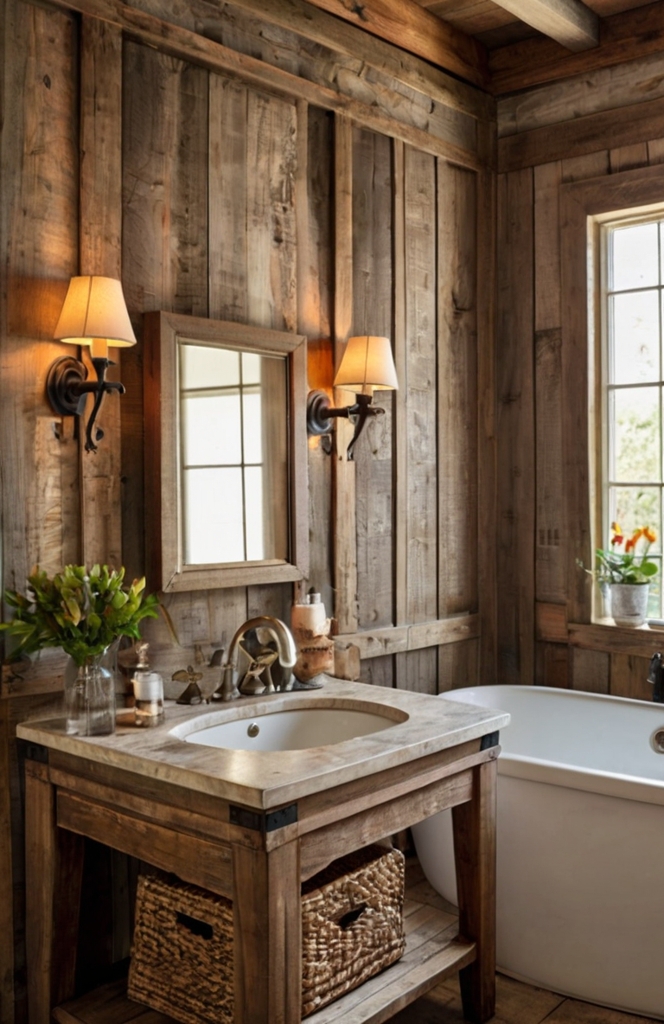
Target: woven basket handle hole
[
  {"x": 348, "y": 919},
  {"x": 193, "y": 925}
]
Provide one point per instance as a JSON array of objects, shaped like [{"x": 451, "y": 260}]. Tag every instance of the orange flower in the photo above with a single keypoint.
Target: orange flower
[
  {"x": 649, "y": 534},
  {"x": 617, "y": 537}
]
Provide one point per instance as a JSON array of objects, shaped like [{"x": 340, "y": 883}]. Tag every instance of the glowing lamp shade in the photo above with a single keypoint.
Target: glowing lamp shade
[
  {"x": 367, "y": 365},
  {"x": 95, "y": 314},
  {"x": 95, "y": 310}
]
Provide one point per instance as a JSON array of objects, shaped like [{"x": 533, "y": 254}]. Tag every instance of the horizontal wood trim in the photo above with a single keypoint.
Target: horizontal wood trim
[
  {"x": 419, "y": 635},
  {"x": 320, "y": 848},
  {"x": 183, "y": 818},
  {"x": 187, "y": 45},
  {"x": 551, "y": 622},
  {"x": 194, "y": 860},
  {"x": 317, "y": 25},
  {"x": 631, "y": 35},
  {"x": 312, "y": 816},
  {"x": 417, "y": 30},
  {"x": 607, "y": 129},
  {"x": 642, "y": 642}
]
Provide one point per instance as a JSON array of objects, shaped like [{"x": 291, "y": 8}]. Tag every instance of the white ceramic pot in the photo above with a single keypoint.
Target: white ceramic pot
[{"x": 629, "y": 603}]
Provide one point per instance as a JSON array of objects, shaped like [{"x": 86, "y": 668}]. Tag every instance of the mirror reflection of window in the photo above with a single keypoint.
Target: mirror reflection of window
[{"x": 233, "y": 455}]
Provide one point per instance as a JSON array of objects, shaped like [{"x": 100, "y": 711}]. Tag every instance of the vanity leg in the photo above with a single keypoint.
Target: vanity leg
[
  {"x": 475, "y": 852},
  {"x": 54, "y": 868},
  {"x": 267, "y": 935}
]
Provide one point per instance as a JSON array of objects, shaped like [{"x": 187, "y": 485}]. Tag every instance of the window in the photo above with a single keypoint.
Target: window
[{"x": 632, "y": 313}]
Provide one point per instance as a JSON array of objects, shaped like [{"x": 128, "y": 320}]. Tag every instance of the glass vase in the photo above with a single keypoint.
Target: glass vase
[{"x": 89, "y": 697}]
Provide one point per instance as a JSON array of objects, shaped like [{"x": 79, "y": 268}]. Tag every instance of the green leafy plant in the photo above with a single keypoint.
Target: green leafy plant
[
  {"x": 627, "y": 566},
  {"x": 82, "y": 611}
]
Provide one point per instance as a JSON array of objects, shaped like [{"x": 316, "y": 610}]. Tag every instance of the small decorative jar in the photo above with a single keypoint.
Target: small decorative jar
[{"x": 149, "y": 696}]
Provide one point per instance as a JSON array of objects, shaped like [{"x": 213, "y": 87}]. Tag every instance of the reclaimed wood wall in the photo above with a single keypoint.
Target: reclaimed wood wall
[
  {"x": 266, "y": 163},
  {"x": 566, "y": 151}
]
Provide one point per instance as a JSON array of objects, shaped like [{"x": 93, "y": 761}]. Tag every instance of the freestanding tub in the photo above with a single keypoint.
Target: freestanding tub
[{"x": 580, "y": 901}]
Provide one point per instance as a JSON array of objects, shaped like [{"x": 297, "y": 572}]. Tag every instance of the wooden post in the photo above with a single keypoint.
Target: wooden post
[
  {"x": 268, "y": 934},
  {"x": 475, "y": 852},
  {"x": 54, "y": 869}
]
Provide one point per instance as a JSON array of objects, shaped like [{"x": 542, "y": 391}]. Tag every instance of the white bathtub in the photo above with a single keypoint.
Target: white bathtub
[{"x": 580, "y": 901}]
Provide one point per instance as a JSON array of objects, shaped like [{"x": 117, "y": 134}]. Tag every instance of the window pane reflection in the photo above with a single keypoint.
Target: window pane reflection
[{"x": 233, "y": 455}]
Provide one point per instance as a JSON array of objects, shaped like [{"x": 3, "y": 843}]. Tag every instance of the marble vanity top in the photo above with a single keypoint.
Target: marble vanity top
[{"x": 268, "y": 779}]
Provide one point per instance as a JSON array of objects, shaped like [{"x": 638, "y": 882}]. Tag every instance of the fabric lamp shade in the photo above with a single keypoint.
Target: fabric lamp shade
[
  {"x": 367, "y": 365},
  {"x": 95, "y": 309}
]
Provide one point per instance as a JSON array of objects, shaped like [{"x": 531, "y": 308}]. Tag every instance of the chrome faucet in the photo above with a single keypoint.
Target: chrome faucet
[
  {"x": 257, "y": 678},
  {"x": 656, "y": 677}
]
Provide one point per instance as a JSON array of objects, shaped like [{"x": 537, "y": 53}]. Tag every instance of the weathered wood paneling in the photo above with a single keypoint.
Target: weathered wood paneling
[
  {"x": 590, "y": 140},
  {"x": 241, "y": 167}
]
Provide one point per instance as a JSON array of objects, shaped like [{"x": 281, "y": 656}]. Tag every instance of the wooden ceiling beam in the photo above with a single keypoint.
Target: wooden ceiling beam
[
  {"x": 412, "y": 28},
  {"x": 630, "y": 35},
  {"x": 569, "y": 22}
]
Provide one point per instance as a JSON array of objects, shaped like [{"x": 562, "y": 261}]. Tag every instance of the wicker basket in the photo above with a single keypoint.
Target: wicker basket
[{"x": 352, "y": 928}]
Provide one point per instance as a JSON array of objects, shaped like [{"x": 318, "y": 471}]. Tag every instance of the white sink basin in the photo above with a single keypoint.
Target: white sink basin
[{"x": 287, "y": 729}]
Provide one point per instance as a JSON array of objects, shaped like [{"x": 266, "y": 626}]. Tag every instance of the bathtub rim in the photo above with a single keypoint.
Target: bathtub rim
[{"x": 559, "y": 773}]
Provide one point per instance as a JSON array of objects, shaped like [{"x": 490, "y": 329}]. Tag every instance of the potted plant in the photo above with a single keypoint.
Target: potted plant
[
  {"x": 84, "y": 612},
  {"x": 627, "y": 574}
]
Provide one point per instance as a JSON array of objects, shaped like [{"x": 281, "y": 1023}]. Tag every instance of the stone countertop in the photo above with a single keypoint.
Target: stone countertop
[{"x": 268, "y": 779}]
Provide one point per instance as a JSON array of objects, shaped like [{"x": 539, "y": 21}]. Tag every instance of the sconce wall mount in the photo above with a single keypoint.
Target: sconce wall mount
[
  {"x": 94, "y": 314},
  {"x": 367, "y": 366}
]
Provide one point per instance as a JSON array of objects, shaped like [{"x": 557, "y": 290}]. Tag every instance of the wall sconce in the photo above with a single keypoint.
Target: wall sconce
[
  {"x": 95, "y": 314},
  {"x": 367, "y": 366}
]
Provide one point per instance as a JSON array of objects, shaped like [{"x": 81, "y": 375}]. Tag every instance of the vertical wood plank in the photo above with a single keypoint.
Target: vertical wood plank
[
  {"x": 486, "y": 416},
  {"x": 315, "y": 268},
  {"x": 373, "y": 314},
  {"x": 164, "y": 233},
  {"x": 589, "y": 670},
  {"x": 457, "y": 391},
  {"x": 459, "y": 665},
  {"x": 547, "y": 180},
  {"x": 516, "y": 427},
  {"x": 552, "y": 665},
  {"x": 401, "y": 496},
  {"x": 345, "y": 542},
  {"x": 227, "y": 184},
  {"x": 575, "y": 398},
  {"x": 629, "y": 677},
  {"x": 39, "y": 244},
  {"x": 271, "y": 278},
  {"x": 551, "y": 555},
  {"x": 100, "y": 229},
  {"x": 420, "y": 385}
]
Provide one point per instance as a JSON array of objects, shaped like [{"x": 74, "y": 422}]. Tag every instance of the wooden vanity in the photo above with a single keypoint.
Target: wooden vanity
[{"x": 253, "y": 826}]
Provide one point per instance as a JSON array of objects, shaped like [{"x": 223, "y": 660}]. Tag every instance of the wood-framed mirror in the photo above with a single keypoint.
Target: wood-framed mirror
[{"x": 225, "y": 453}]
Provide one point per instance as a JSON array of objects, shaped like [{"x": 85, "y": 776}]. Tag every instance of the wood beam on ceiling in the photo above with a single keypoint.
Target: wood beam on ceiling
[
  {"x": 412, "y": 28},
  {"x": 569, "y": 22},
  {"x": 630, "y": 35}
]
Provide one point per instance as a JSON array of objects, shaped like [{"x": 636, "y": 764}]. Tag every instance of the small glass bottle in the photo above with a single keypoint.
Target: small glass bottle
[{"x": 149, "y": 695}]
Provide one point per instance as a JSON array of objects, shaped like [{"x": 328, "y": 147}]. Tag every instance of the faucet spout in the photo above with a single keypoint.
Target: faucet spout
[
  {"x": 286, "y": 655},
  {"x": 656, "y": 677}
]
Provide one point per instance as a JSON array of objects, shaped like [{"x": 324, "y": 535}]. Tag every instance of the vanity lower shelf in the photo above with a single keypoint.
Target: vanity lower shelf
[{"x": 433, "y": 950}]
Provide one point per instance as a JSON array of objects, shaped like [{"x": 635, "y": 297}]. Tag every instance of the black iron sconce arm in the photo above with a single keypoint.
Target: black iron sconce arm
[
  {"x": 320, "y": 414},
  {"x": 67, "y": 387}
]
